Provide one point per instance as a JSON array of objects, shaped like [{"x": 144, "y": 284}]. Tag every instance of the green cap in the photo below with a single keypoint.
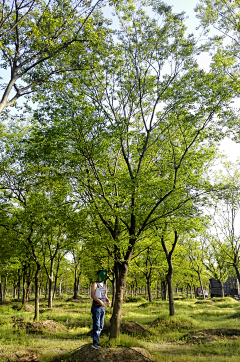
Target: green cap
[{"x": 103, "y": 275}]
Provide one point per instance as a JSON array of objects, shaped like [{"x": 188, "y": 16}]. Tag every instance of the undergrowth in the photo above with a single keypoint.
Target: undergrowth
[{"x": 168, "y": 337}]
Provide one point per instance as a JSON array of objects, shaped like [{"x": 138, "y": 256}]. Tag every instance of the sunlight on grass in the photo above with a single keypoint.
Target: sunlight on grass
[{"x": 167, "y": 339}]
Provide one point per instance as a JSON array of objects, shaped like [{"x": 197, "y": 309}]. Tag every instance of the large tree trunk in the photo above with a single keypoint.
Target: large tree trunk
[
  {"x": 121, "y": 270},
  {"x": 36, "y": 316},
  {"x": 148, "y": 278}
]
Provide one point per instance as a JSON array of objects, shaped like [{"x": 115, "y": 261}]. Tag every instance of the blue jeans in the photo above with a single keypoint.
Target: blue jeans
[{"x": 98, "y": 322}]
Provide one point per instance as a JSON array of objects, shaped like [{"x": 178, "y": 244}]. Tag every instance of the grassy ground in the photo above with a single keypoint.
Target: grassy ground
[{"x": 200, "y": 331}]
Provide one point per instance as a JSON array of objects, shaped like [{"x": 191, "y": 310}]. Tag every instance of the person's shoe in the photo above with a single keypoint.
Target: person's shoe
[
  {"x": 95, "y": 345},
  {"x": 98, "y": 345}
]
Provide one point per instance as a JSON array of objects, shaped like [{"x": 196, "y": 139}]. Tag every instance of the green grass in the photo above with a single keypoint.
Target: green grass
[{"x": 169, "y": 338}]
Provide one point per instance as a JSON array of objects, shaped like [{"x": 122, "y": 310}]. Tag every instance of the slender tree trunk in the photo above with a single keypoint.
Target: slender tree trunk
[
  {"x": 201, "y": 284},
  {"x": 28, "y": 289},
  {"x": 113, "y": 291},
  {"x": 222, "y": 288},
  {"x": 24, "y": 287},
  {"x": 18, "y": 285},
  {"x": 46, "y": 290},
  {"x": 148, "y": 278},
  {"x": 1, "y": 291},
  {"x": 136, "y": 288},
  {"x": 5, "y": 287},
  {"x": 50, "y": 295},
  {"x": 36, "y": 315},
  {"x": 170, "y": 290},
  {"x": 132, "y": 290},
  {"x": 158, "y": 291},
  {"x": 121, "y": 270},
  {"x": 164, "y": 290},
  {"x": 191, "y": 291},
  {"x": 15, "y": 290},
  {"x": 60, "y": 288},
  {"x": 76, "y": 284}
]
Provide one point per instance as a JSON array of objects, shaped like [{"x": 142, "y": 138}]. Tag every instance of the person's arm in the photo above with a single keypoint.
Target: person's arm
[
  {"x": 93, "y": 290},
  {"x": 108, "y": 301}
]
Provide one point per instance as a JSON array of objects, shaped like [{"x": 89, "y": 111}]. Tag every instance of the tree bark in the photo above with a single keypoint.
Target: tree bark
[
  {"x": 201, "y": 284},
  {"x": 149, "y": 288},
  {"x": 19, "y": 284},
  {"x": 222, "y": 288},
  {"x": 36, "y": 315},
  {"x": 237, "y": 272},
  {"x": 132, "y": 290},
  {"x": 5, "y": 287},
  {"x": 50, "y": 293},
  {"x": 15, "y": 290},
  {"x": 170, "y": 290},
  {"x": 46, "y": 290},
  {"x": 1, "y": 291},
  {"x": 136, "y": 291},
  {"x": 158, "y": 291},
  {"x": 113, "y": 291},
  {"x": 24, "y": 285},
  {"x": 121, "y": 270},
  {"x": 60, "y": 288},
  {"x": 164, "y": 290},
  {"x": 76, "y": 283}
]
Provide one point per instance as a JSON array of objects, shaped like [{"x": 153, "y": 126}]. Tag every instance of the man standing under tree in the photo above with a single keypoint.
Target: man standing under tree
[{"x": 99, "y": 296}]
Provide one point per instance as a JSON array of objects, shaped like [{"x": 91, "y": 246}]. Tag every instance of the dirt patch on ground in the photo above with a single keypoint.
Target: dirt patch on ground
[
  {"x": 210, "y": 335},
  {"x": 26, "y": 307},
  {"x": 132, "y": 328},
  {"x": 38, "y": 327},
  {"x": 88, "y": 354},
  {"x": 29, "y": 308},
  {"x": 28, "y": 358}
]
